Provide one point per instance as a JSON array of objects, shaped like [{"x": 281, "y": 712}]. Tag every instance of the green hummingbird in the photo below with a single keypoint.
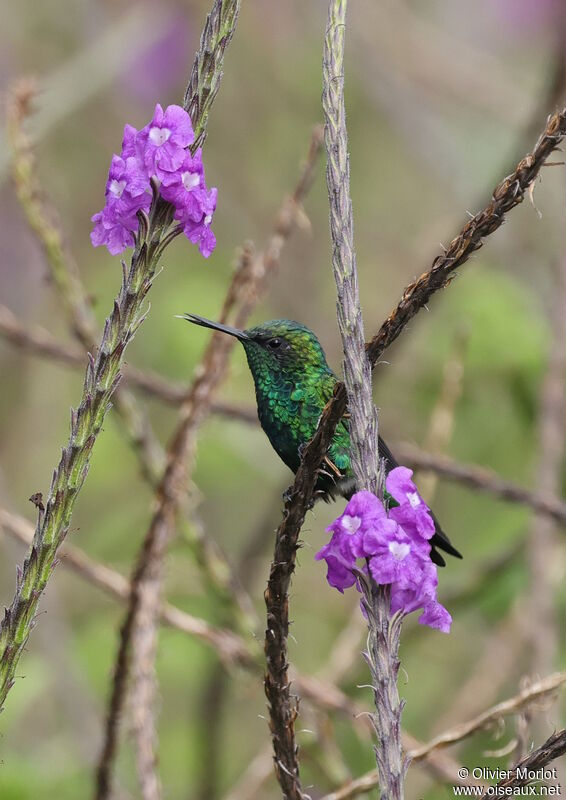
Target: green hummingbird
[{"x": 293, "y": 383}]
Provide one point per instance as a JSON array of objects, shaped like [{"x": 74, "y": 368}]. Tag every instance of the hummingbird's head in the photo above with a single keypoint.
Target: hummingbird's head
[{"x": 277, "y": 346}]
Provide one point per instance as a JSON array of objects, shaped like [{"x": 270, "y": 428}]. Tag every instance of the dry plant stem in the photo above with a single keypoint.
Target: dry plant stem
[
  {"x": 542, "y": 545},
  {"x": 203, "y": 87},
  {"x": 384, "y": 633},
  {"x": 508, "y": 194},
  {"x": 483, "y": 480},
  {"x": 514, "y": 705},
  {"x": 553, "y": 748},
  {"x": 357, "y": 370},
  {"x": 139, "y": 628},
  {"x": 248, "y": 282},
  {"x": 64, "y": 273},
  {"x": 207, "y": 70}
]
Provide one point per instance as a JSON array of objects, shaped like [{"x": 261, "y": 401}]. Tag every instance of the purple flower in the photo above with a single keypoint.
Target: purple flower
[
  {"x": 395, "y": 546},
  {"x": 339, "y": 564},
  {"x": 419, "y": 591},
  {"x": 164, "y": 140},
  {"x": 194, "y": 203},
  {"x": 436, "y": 616},
  {"x": 126, "y": 194},
  {"x": 412, "y": 512},
  {"x": 397, "y": 556},
  {"x": 159, "y": 152},
  {"x": 363, "y": 515},
  {"x": 201, "y": 235},
  {"x": 131, "y": 147}
]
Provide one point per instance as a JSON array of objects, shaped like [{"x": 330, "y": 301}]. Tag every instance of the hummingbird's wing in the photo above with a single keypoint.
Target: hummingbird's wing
[{"x": 439, "y": 541}]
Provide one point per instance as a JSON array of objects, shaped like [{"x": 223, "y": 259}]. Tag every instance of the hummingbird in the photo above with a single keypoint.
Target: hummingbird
[{"x": 293, "y": 383}]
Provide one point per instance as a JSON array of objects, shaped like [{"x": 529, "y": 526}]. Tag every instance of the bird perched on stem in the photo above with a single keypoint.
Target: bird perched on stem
[{"x": 293, "y": 383}]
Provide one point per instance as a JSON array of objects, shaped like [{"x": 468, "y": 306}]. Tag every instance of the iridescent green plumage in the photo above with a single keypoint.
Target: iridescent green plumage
[{"x": 293, "y": 383}]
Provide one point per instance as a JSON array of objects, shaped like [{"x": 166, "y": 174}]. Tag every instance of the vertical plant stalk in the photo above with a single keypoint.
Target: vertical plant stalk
[
  {"x": 357, "y": 369},
  {"x": 384, "y": 632},
  {"x": 207, "y": 71}
]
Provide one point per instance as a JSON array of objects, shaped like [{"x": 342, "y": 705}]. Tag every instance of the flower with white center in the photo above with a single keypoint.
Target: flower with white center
[{"x": 350, "y": 524}]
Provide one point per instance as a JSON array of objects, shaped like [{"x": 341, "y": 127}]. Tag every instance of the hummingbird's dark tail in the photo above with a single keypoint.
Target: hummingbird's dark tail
[{"x": 439, "y": 541}]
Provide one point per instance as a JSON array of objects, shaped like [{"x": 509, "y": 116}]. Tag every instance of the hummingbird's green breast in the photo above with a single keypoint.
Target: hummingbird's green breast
[{"x": 293, "y": 383}]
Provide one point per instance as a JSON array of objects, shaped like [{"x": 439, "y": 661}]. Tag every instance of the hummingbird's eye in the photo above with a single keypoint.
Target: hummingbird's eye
[{"x": 275, "y": 343}]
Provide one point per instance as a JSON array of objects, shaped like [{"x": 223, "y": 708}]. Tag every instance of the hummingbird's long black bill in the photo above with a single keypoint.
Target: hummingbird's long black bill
[{"x": 216, "y": 326}]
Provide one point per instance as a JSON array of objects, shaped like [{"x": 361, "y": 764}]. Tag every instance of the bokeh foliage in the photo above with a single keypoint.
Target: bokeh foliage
[{"x": 422, "y": 152}]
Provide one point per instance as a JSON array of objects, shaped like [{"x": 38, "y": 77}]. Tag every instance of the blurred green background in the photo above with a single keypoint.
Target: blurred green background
[{"x": 439, "y": 96}]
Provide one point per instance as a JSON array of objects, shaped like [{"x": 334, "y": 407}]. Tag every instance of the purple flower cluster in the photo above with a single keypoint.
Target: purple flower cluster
[
  {"x": 158, "y": 151},
  {"x": 395, "y": 545}
]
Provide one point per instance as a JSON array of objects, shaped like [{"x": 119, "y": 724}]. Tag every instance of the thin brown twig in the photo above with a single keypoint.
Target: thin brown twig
[
  {"x": 553, "y": 748},
  {"x": 139, "y": 630},
  {"x": 216, "y": 689},
  {"x": 508, "y": 194},
  {"x": 534, "y": 692},
  {"x": 514, "y": 705},
  {"x": 484, "y": 480}
]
